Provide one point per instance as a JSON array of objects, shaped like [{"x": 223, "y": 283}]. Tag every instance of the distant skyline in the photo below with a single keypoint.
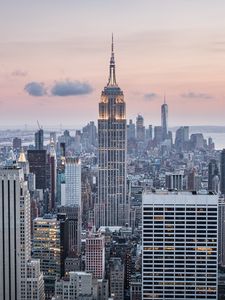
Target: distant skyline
[{"x": 55, "y": 58}]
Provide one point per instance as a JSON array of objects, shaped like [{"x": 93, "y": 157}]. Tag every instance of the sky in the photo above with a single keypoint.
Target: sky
[{"x": 54, "y": 60}]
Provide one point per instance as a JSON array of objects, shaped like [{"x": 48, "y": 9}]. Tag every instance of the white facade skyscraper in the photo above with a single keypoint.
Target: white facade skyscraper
[
  {"x": 73, "y": 182},
  {"x": 112, "y": 207},
  {"x": 15, "y": 246},
  {"x": 179, "y": 242}
]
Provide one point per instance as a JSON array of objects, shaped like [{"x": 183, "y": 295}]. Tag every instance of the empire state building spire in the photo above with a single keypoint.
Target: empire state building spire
[{"x": 112, "y": 68}]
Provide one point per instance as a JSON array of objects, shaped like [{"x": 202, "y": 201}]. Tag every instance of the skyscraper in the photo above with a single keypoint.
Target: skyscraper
[
  {"x": 164, "y": 120},
  {"x": 111, "y": 208},
  {"x": 16, "y": 267},
  {"x": 95, "y": 256},
  {"x": 39, "y": 139},
  {"x": 140, "y": 129},
  {"x": 222, "y": 172},
  {"x": 213, "y": 176},
  {"x": 179, "y": 241},
  {"x": 73, "y": 182}
]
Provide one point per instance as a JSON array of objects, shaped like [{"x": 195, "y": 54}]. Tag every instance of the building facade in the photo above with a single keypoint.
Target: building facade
[
  {"x": 112, "y": 207},
  {"x": 72, "y": 182},
  {"x": 179, "y": 245},
  {"x": 15, "y": 237}
]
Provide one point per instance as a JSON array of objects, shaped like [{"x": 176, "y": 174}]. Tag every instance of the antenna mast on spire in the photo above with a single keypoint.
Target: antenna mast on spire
[{"x": 112, "y": 67}]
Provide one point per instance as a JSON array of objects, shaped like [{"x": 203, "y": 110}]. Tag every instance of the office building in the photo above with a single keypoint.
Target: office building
[
  {"x": 222, "y": 172},
  {"x": 112, "y": 207},
  {"x": 15, "y": 246},
  {"x": 174, "y": 180},
  {"x": 116, "y": 278},
  {"x": 78, "y": 285},
  {"x": 73, "y": 238},
  {"x": 130, "y": 130},
  {"x": 73, "y": 182},
  {"x": 164, "y": 120},
  {"x": 46, "y": 247},
  {"x": 140, "y": 129},
  {"x": 53, "y": 177},
  {"x": 17, "y": 143},
  {"x": 39, "y": 139},
  {"x": 179, "y": 245},
  {"x": 95, "y": 256},
  {"x": 213, "y": 176},
  {"x": 38, "y": 165}
]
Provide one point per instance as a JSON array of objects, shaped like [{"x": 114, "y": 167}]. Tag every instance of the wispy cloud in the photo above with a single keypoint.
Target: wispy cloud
[
  {"x": 150, "y": 96},
  {"x": 197, "y": 95},
  {"x": 36, "y": 89},
  {"x": 19, "y": 73}
]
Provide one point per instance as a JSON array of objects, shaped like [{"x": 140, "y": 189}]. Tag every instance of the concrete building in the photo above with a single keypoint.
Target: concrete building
[
  {"x": 78, "y": 285},
  {"x": 175, "y": 180},
  {"x": 180, "y": 245},
  {"x": 116, "y": 278}
]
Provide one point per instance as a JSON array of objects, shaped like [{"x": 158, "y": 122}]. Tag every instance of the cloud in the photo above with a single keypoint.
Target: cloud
[
  {"x": 70, "y": 88},
  {"x": 19, "y": 73},
  {"x": 36, "y": 89},
  {"x": 194, "y": 95},
  {"x": 150, "y": 96}
]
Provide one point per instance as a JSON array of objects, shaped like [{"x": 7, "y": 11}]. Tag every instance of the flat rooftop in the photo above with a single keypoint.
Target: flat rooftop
[{"x": 159, "y": 197}]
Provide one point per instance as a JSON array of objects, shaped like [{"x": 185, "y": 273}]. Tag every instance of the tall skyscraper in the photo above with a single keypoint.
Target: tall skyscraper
[
  {"x": 164, "y": 120},
  {"x": 16, "y": 267},
  {"x": 222, "y": 172},
  {"x": 73, "y": 182},
  {"x": 47, "y": 248},
  {"x": 213, "y": 176},
  {"x": 140, "y": 129},
  {"x": 111, "y": 208},
  {"x": 180, "y": 249},
  {"x": 38, "y": 165},
  {"x": 39, "y": 139}
]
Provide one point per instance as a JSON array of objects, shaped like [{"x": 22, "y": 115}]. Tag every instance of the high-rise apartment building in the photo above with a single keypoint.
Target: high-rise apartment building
[
  {"x": 73, "y": 181},
  {"x": 179, "y": 240},
  {"x": 222, "y": 172},
  {"x": 112, "y": 207},
  {"x": 15, "y": 237},
  {"x": 95, "y": 256},
  {"x": 164, "y": 120}
]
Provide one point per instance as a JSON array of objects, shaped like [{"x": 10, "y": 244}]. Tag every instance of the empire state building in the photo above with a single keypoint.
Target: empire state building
[{"x": 112, "y": 207}]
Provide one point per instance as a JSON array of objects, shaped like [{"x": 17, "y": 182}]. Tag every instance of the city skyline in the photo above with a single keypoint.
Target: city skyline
[{"x": 64, "y": 67}]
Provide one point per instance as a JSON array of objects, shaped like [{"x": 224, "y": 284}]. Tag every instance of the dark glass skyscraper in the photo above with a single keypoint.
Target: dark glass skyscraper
[
  {"x": 112, "y": 207},
  {"x": 39, "y": 139}
]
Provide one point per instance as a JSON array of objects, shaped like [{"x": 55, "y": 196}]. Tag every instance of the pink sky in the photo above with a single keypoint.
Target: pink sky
[{"x": 177, "y": 49}]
